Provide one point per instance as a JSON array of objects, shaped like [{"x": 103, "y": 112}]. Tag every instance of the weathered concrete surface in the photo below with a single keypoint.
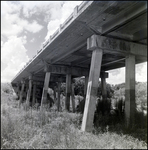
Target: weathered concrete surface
[
  {"x": 45, "y": 88},
  {"x": 68, "y": 91},
  {"x": 130, "y": 104},
  {"x": 126, "y": 21},
  {"x": 92, "y": 88}
]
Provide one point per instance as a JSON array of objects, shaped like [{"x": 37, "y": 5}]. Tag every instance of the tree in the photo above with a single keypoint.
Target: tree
[
  {"x": 109, "y": 89},
  {"x": 79, "y": 86}
]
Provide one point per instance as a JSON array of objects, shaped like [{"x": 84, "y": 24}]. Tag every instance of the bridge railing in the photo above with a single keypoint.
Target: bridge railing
[
  {"x": 54, "y": 34},
  {"x": 77, "y": 10},
  {"x": 82, "y": 5},
  {"x": 67, "y": 21},
  {"x": 39, "y": 51},
  {"x": 34, "y": 56}
]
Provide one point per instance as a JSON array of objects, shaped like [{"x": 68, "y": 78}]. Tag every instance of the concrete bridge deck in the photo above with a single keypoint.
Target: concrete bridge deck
[
  {"x": 126, "y": 21},
  {"x": 97, "y": 36}
]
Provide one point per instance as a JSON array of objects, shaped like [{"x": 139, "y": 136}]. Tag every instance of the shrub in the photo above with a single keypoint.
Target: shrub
[
  {"x": 63, "y": 88},
  {"x": 51, "y": 129},
  {"x": 79, "y": 86},
  {"x": 109, "y": 89},
  {"x": 79, "y": 103},
  {"x": 103, "y": 106},
  {"x": 7, "y": 88},
  {"x": 7, "y": 128}
]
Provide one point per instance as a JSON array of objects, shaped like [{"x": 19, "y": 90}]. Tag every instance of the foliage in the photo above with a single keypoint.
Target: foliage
[
  {"x": 63, "y": 88},
  {"x": 116, "y": 123},
  {"x": 32, "y": 129},
  {"x": 140, "y": 94},
  {"x": 79, "y": 89},
  {"x": 79, "y": 86},
  {"x": 119, "y": 86},
  {"x": 80, "y": 103},
  {"x": 109, "y": 90},
  {"x": 115, "y": 94},
  {"x": 103, "y": 106},
  {"x": 7, "y": 88}
]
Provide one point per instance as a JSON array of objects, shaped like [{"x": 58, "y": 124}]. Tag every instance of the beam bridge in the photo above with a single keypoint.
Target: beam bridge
[{"x": 95, "y": 38}]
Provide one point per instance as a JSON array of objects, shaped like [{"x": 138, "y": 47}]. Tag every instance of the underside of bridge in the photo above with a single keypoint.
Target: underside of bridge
[{"x": 98, "y": 36}]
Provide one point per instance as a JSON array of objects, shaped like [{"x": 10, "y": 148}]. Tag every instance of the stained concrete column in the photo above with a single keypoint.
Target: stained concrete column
[
  {"x": 22, "y": 91},
  {"x": 59, "y": 92},
  {"x": 29, "y": 91},
  {"x": 18, "y": 90},
  {"x": 34, "y": 94},
  {"x": 105, "y": 103},
  {"x": 54, "y": 93},
  {"x": 90, "y": 103},
  {"x": 26, "y": 90},
  {"x": 45, "y": 88},
  {"x": 103, "y": 86},
  {"x": 85, "y": 86},
  {"x": 130, "y": 105},
  {"x": 68, "y": 91},
  {"x": 72, "y": 98}
]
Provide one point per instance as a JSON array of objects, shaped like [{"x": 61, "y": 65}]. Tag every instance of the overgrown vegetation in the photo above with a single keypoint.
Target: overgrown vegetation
[
  {"x": 141, "y": 94},
  {"x": 33, "y": 129}
]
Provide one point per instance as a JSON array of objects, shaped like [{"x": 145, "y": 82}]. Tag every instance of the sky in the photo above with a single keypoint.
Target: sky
[{"x": 26, "y": 25}]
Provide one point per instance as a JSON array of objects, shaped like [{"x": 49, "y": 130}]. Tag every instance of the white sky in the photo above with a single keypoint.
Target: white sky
[{"x": 25, "y": 25}]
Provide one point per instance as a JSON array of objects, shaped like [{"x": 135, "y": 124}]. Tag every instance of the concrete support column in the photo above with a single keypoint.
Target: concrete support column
[
  {"x": 22, "y": 91},
  {"x": 85, "y": 86},
  {"x": 18, "y": 90},
  {"x": 29, "y": 91},
  {"x": 45, "y": 88},
  {"x": 34, "y": 94},
  {"x": 59, "y": 92},
  {"x": 130, "y": 105},
  {"x": 72, "y": 98},
  {"x": 90, "y": 103},
  {"x": 26, "y": 90},
  {"x": 68, "y": 91},
  {"x": 103, "y": 86},
  {"x": 54, "y": 93}
]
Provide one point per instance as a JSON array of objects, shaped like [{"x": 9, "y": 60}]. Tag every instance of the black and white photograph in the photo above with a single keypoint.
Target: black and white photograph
[{"x": 73, "y": 74}]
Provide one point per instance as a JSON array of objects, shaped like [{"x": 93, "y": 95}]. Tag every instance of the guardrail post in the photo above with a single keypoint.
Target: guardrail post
[
  {"x": 75, "y": 12},
  {"x": 60, "y": 28}
]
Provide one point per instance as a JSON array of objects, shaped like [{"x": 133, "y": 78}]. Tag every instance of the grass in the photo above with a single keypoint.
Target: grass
[
  {"x": 116, "y": 124},
  {"x": 31, "y": 129}
]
